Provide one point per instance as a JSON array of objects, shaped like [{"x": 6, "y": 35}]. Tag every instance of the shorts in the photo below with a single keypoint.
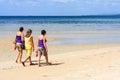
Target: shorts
[
  {"x": 18, "y": 46},
  {"x": 42, "y": 51},
  {"x": 29, "y": 52}
]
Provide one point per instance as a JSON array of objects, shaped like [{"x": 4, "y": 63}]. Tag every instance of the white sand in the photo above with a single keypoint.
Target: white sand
[{"x": 100, "y": 63}]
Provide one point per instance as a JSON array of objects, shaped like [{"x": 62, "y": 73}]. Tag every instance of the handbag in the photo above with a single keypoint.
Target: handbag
[{"x": 23, "y": 44}]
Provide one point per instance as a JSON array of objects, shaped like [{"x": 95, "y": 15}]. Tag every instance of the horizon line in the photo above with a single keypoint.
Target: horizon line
[{"x": 67, "y": 15}]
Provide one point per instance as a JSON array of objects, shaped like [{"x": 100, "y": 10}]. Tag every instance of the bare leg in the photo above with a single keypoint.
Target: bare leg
[
  {"x": 20, "y": 56},
  {"x": 17, "y": 57},
  {"x": 30, "y": 60},
  {"x": 47, "y": 62},
  {"x": 46, "y": 58},
  {"x": 27, "y": 59},
  {"x": 23, "y": 63},
  {"x": 39, "y": 60}
]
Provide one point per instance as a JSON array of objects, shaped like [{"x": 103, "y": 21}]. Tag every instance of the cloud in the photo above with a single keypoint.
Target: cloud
[
  {"x": 60, "y": 6},
  {"x": 21, "y": 2},
  {"x": 104, "y": 2},
  {"x": 34, "y": 2},
  {"x": 63, "y": 1}
]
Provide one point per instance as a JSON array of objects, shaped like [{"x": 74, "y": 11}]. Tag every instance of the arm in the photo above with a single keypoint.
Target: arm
[
  {"x": 32, "y": 43},
  {"x": 15, "y": 40},
  {"x": 44, "y": 41},
  {"x": 22, "y": 37},
  {"x": 37, "y": 42}
]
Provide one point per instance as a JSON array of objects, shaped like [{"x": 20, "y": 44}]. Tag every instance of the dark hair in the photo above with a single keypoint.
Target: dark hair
[
  {"x": 21, "y": 29},
  {"x": 43, "y": 32},
  {"x": 28, "y": 33}
]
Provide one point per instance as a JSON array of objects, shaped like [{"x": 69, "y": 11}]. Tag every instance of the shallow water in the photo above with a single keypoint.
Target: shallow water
[{"x": 69, "y": 30}]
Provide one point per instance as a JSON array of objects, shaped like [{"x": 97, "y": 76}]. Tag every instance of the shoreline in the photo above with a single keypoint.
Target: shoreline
[{"x": 8, "y": 54}]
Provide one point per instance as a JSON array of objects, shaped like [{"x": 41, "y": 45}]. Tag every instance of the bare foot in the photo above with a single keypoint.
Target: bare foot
[
  {"x": 49, "y": 63},
  {"x": 23, "y": 64},
  {"x": 16, "y": 61},
  {"x": 39, "y": 65},
  {"x": 32, "y": 64}
]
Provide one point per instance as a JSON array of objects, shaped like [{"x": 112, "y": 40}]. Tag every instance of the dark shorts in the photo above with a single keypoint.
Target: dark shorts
[{"x": 42, "y": 51}]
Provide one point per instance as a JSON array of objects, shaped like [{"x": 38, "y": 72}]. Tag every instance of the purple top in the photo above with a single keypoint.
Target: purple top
[
  {"x": 40, "y": 43},
  {"x": 18, "y": 39}
]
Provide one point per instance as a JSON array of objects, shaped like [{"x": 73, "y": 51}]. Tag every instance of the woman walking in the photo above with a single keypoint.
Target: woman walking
[
  {"x": 29, "y": 46},
  {"x": 18, "y": 43},
  {"x": 42, "y": 47}
]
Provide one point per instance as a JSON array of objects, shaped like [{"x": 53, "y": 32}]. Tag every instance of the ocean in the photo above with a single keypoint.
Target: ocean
[{"x": 69, "y": 29}]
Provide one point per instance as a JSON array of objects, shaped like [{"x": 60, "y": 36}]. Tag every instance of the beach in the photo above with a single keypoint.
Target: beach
[
  {"x": 79, "y": 48},
  {"x": 64, "y": 39},
  {"x": 86, "y": 62}
]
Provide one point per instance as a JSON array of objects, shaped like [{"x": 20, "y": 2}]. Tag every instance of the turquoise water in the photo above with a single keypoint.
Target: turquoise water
[{"x": 71, "y": 29}]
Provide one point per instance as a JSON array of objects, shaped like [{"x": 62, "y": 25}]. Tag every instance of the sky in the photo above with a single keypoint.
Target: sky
[{"x": 59, "y": 7}]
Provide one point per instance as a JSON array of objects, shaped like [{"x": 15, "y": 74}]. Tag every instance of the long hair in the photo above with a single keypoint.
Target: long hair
[{"x": 28, "y": 33}]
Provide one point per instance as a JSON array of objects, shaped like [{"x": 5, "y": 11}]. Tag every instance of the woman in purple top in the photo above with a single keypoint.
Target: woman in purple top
[
  {"x": 19, "y": 38},
  {"x": 42, "y": 47}
]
